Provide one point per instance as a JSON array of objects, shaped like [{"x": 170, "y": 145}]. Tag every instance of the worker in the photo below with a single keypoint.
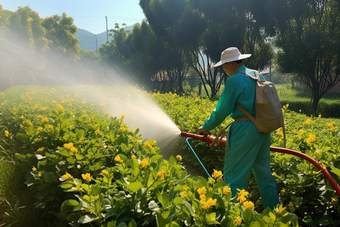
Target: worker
[{"x": 246, "y": 149}]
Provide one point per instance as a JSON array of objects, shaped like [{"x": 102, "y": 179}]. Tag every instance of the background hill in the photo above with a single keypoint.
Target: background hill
[{"x": 89, "y": 41}]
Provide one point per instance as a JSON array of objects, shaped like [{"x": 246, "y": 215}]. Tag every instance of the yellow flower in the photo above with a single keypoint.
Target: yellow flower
[
  {"x": 144, "y": 163},
  {"x": 68, "y": 146},
  {"x": 279, "y": 132},
  {"x": 39, "y": 174},
  {"x": 203, "y": 197},
  {"x": 123, "y": 116},
  {"x": 6, "y": 133},
  {"x": 43, "y": 108},
  {"x": 118, "y": 159},
  {"x": 183, "y": 194},
  {"x": 331, "y": 126},
  {"x": 334, "y": 200},
  {"x": 211, "y": 180},
  {"x": 133, "y": 156},
  {"x": 238, "y": 220},
  {"x": 160, "y": 175},
  {"x": 217, "y": 175},
  {"x": 179, "y": 158},
  {"x": 191, "y": 116},
  {"x": 45, "y": 120},
  {"x": 241, "y": 198},
  {"x": 60, "y": 107},
  {"x": 37, "y": 140},
  {"x": 98, "y": 132},
  {"x": 202, "y": 191},
  {"x": 84, "y": 111},
  {"x": 274, "y": 174},
  {"x": 311, "y": 138},
  {"x": 248, "y": 204},
  {"x": 34, "y": 169},
  {"x": 208, "y": 204},
  {"x": 242, "y": 192},
  {"x": 102, "y": 104},
  {"x": 105, "y": 172},
  {"x": 283, "y": 191},
  {"x": 40, "y": 129},
  {"x": 147, "y": 144},
  {"x": 22, "y": 117},
  {"x": 86, "y": 177},
  {"x": 291, "y": 207},
  {"x": 50, "y": 127},
  {"x": 67, "y": 176},
  {"x": 74, "y": 150},
  {"x": 121, "y": 130},
  {"x": 308, "y": 121},
  {"x": 319, "y": 115},
  {"x": 41, "y": 149},
  {"x": 226, "y": 190}
]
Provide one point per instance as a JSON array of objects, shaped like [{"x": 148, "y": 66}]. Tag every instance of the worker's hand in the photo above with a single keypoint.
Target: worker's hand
[{"x": 202, "y": 131}]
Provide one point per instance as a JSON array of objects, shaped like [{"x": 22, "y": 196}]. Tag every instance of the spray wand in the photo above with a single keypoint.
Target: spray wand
[{"x": 221, "y": 142}]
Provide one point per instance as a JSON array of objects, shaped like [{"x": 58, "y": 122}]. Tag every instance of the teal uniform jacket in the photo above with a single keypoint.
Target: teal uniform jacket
[{"x": 246, "y": 149}]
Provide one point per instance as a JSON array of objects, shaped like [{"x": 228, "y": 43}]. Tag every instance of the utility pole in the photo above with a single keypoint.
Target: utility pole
[
  {"x": 107, "y": 33},
  {"x": 96, "y": 42}
]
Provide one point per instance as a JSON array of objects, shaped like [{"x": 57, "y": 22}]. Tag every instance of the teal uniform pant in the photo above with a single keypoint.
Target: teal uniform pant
[{"x": 247, "y": 150}]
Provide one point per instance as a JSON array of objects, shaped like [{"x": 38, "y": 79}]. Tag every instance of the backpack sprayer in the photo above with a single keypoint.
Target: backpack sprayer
[{"x": 221, "y": 142}]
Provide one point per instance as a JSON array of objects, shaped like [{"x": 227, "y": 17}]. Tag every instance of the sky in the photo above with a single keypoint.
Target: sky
[{"x": 89, "y": 15}]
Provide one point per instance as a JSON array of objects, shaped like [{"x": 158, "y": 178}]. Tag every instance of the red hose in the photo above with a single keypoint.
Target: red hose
[{"x": 210, "y": 139}]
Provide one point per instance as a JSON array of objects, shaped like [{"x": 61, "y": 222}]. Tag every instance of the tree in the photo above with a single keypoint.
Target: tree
[
  {"x": 163, "y": 16},
  {"x": 229, "y": 23},
  {"x": 308, "y": 37},
  {"x": 60, "y": 30}
]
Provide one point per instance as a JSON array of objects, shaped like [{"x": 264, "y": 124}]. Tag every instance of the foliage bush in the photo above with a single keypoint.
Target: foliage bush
[
  {"x": 303, "y": 188},
  {"x": 84, "y": 167}
]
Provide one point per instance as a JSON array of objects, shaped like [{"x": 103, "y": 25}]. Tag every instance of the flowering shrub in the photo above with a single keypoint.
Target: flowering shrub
[
  {"x": 87, "y": 168},
  {"x": 303, "y": 188}
]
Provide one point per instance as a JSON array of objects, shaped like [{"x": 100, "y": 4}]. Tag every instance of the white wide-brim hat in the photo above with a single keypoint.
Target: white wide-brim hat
[{"x": 231, "y": 54}]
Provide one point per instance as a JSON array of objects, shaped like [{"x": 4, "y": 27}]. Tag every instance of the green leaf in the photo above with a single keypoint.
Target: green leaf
[
  {"x": 21, "y": 137},
  {"x": 210, "y": 218},
  {"x": 173, "y": 224},
  {"x": 163, "y": 198},
  {"x": 71, "y": 202},
  {"x": 256, "y": 224},
  {"x": 20, "y": 156},
  {"x": 247, "y": 216},
  {"x": 160, "y": 220},
  {"x": 79, "y": 157},
  {"x": 155, "y": 158},
  {"x": 189, "y": 208},
  {"x": 122, "y": 224},
  {"x": 123, "y": 147},
  {"x": 64, "y": 153},
  {"x": 178, "y": 201},
  {"x": 172, "y": 160},
  {"x": 132, "y": 223},
  {"x": 66, "y": 185},
  {"x": 88, "y": 218},
  {"x": 335, "y": 170},
  {"x": 135, "y": 186}
]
